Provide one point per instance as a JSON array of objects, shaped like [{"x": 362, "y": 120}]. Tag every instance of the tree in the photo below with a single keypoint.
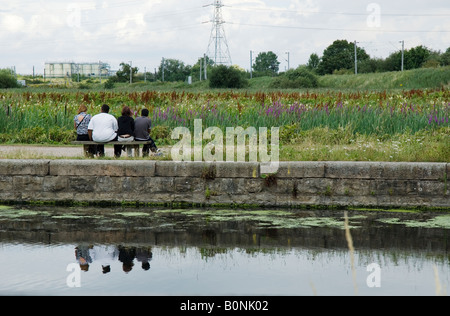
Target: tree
[
  {"x": 393, "y": 62},
  {"x": 227, "y": 77},
  {"x": 266, "y": 64},
  {"x": 371, "y": 65},
  {"x": 416, "y": 57},
  {"x": 413, "y": 58},
  {"x": 200, "y": 65},
  {"x": 174, "y": 70},
  {"x": 299, "y": 78},
  {"x": 123, "y": 75},
  {"x": 313, "y": 62},
  {"x": 7, "y": 79},
  {"x": 340, "y": 55},
  {"x": 445, "y": 58}
]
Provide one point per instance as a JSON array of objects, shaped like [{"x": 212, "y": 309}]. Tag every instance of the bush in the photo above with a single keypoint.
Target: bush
[
  {"x": 227, "y": 77},
  {"x": 84, "y": 86},
  {"x": 296, "y": 79},
  {"x": 7, "y": 79},
  {"x": 61, "y": 136},
  {"x": 161, "y": 134},
  {"x": 39, "y": 135},
  {"x": 109, "y": 84}
]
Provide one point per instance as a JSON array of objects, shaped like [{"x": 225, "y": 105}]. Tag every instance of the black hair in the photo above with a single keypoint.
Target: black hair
[
  {"x": 144, "y": 112},
  {"x": 105, "y": 108}
]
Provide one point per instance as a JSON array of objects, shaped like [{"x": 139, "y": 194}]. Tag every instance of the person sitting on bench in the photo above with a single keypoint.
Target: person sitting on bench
[
  {"x": 142, "y": 129},
  {"x": 125, "y": 131},
  {"x": 102, "y": 129}
]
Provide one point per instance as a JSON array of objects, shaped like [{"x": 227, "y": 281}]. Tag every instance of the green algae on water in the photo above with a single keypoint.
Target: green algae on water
[
  {"x": 133, "y": 214},
  {"x": 436, "y": 222},
  {"x": 18, "y": 213}
]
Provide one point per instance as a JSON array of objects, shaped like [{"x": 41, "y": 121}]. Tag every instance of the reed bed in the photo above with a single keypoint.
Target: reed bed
[{"x": 47, "y": 117}]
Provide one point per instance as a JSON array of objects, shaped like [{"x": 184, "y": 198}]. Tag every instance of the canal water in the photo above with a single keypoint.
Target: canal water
[{"x": 222, "y": 252}]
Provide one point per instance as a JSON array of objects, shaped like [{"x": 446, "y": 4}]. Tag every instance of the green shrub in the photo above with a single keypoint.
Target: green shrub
[
  {"x": 161, "y": 134},
  {"x": 227, "y": 77},
  {"x": 31, "y": 135},
  {"x": 7, "y": 79},
  {"x": 296, "y": 79},
  {"x": 84, "y": 86},
  {"x": 39, "y": 135},
  {"x": 109, "y": 84},
  {"x": 63, "y": 136}
]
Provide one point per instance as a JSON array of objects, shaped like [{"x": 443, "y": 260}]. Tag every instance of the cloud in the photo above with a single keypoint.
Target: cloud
[
  {"x": 11, "y": 23},
  {"x": 145, "y": 31}
]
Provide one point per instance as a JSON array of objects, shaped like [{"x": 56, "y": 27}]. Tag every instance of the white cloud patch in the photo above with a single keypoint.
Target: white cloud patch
[
  {"x": 11, "y": 23},
  {"x": 145, "y": 31}
]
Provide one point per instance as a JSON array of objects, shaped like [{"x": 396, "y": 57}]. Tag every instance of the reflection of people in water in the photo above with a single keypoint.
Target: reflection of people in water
[
  {"x": 144, "y": 255},
  {"x": 126, "y": 256},
  {"x": 83, "y": 257},
  {"x": 105, "y": 255}
]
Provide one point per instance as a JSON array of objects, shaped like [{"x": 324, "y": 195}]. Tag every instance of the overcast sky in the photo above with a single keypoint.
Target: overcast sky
[{"x": 33, "y": 32}]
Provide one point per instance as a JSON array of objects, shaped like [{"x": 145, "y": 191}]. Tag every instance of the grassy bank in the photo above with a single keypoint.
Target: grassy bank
[
  {"x": 424, "y": 78},
  {"x": 323, "y": 144},
  {"x": 410, "y": 79}
]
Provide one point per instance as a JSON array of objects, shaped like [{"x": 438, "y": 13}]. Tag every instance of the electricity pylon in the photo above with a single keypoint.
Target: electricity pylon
[{"x": 218, "y": 48}]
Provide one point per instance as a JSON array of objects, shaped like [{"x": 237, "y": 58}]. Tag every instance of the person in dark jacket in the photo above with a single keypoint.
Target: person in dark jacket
[{"x": 125, "y": 132}]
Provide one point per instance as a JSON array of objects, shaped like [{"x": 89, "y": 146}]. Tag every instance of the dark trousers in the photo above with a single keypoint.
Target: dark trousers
[
  {"x": 147, "y": 147},
  {"x": 92, "y": 149},
  {"x": 117, "y": 151},
  {"x": 101, "y": 149}
]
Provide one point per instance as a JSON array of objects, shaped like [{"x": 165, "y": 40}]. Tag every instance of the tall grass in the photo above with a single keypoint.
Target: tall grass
[
  {"x": 384, "y": 114},
  {"x": 367, "y": 120},
  {"x": 410, "y": 79}
]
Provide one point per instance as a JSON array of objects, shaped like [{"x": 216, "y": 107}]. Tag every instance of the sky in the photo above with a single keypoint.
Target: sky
[{"x": 33, "y": 32}]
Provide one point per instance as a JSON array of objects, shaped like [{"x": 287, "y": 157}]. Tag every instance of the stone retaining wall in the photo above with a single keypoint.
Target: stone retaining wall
[{"x": 371, "y": 184}]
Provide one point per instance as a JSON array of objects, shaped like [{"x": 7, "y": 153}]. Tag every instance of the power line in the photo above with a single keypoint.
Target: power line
[
  {"x": 96, "y": 38},
  {"x": 339, "y": 29},
  {"x": 102, "y": 22},
  {"x": 340, "y": 13}
]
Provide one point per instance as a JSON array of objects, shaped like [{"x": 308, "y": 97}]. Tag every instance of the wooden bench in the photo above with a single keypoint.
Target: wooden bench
[{"x": 134, "y": 145}]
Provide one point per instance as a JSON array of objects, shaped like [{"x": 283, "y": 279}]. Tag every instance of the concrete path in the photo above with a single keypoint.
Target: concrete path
[{"x": 36, "y": 151}]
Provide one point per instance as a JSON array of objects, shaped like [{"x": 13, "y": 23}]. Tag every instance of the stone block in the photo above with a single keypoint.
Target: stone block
[
  {"x": 24, "y": 167},
  {"x": 189, "y": 185},
  {"x": 253, "y": 186},
  {"x": 118, "y": 168},
  {"x": 318, "y": 186},
  {"x": 413, "y": 171},
  {"x": 28, "y": 184},
  {"x": 300, "y": 169},
  {"x": 227, "y": 185},
  {"x": 430, "y": 188},
  {"x": 160, "y": 185},
  {"x": 6, "y": 183},
  {"x": 182, "y": 169},
  {"x": 352, "y": 187},
  {"x": 55, "y": 184},
  {"x": 237, "y": 170},
  {"x": 353, "y": 170},
  {"x": 82, "y": 184},
  {"x": 282, "y": 186},
  {"x": 395, "y": 188}
]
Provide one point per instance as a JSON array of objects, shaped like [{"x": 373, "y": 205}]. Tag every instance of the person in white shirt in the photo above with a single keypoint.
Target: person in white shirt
[{"x": 102, "y": 129}]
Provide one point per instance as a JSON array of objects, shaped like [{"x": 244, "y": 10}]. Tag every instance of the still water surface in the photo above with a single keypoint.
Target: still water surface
[{"x": 143, "y": 251}]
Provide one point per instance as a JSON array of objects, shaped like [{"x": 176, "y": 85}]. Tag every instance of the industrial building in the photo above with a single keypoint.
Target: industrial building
[{"x": 67, "y": 69}]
